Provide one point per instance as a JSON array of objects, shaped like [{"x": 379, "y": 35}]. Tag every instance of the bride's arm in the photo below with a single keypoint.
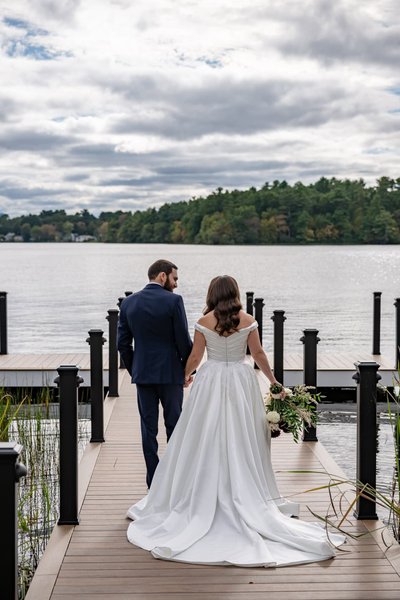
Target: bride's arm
[
  {"x": 259, "y": 356},
  {"x": 199, "y": 344}
]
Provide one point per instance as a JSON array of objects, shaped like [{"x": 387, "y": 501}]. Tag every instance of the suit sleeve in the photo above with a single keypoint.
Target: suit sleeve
[
  {"x": 125, "y": 340},
  {"x": 182, "y": 338}
]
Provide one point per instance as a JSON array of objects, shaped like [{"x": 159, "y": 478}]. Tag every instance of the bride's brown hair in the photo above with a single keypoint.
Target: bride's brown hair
[{"x": 223, "y": 297}]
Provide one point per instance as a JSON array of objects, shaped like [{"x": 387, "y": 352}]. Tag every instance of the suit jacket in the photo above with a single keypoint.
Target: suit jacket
[{"x": 156, "y": 320}]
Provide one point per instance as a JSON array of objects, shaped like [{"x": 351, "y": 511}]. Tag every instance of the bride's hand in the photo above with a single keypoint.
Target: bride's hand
[
  {"x": 283, "y": 393},
  {"x": 188, "y": 380}
]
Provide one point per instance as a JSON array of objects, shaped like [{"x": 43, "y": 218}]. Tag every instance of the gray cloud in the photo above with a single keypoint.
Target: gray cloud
[
  {"x": 193, "y": 170},
  {"x": 7, "y": 109},
  {"x": 57, "y": 10},
  {"x": 16, "y": 192},
  {"x": 76, "y": 177},
  {"x": 232, "y": 107},
  {"x": 31, "y": 140},
  {"x": 332, "y": 32}
]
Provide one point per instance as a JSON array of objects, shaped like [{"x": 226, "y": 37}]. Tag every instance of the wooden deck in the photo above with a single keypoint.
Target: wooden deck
[
  {"x": 40, "y": 370},
  {"x": 94, "y": 561},
  {"x": 334, "y": 370}
]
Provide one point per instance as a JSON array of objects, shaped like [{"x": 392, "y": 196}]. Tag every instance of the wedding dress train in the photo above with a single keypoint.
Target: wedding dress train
[{"x": 214, "y": 498}]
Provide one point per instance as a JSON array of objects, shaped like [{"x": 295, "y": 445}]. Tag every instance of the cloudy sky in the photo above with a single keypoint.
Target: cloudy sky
[{"x": 125, "y": 104}]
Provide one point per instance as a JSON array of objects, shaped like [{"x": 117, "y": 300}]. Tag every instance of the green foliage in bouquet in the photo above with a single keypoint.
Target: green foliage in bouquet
[{"x": 290, "y": 410}]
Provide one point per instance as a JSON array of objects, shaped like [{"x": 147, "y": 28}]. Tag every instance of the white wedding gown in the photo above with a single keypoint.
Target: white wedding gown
[{"x": 214, "y": 498}]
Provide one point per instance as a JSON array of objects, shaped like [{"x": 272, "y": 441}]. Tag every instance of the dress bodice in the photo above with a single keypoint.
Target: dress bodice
[{"x": 231, "y": 348}]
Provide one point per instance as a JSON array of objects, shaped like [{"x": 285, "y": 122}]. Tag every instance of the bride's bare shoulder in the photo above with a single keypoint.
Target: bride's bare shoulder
[
  {"x": 207, "y": 320},
  {"x": 245, "y": 319}
]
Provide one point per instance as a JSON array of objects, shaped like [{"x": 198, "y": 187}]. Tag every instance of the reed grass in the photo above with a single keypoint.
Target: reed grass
[
  {"x": 344, "y": 493},
  {"x": 34, "y": 427}
]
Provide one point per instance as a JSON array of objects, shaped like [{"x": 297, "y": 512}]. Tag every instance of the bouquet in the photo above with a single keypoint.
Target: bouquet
[{"x": 290, "y": 410}]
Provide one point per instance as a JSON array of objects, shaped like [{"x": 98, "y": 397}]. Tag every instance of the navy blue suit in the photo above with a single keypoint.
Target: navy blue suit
[{"x": 156, "y": 320}]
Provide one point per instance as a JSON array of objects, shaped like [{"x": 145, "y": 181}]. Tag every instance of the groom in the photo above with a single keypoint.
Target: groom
[{"x": 155, "y": 319}]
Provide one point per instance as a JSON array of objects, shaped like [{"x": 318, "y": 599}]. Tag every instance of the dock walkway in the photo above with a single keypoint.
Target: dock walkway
[{"x": 94, "y": 561}]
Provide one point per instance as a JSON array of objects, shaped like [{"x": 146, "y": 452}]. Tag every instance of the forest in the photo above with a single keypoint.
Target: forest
[{"x": 329, "y": 211}]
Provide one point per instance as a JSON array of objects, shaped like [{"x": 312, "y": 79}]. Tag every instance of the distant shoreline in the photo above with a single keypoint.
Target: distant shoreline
[
  {"x": 329, "y": 211},
  {"x": 277, "y": 244}
]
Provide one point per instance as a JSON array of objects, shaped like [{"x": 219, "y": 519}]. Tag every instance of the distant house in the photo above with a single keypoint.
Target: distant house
[
  {"x": 11, "y": 237},
  {"x": 84, "y": 238}
]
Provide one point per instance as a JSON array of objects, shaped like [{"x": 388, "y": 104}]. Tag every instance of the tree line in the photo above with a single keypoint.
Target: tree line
[{"x": 330, "y": 211}]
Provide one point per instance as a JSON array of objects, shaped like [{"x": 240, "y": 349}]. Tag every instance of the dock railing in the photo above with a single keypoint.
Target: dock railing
[
  {"x": 278, "y": 318},
  {"x": 96, "y": 341},
  {"x": 112, "y": 318},
  {"x": 397, "y": 335},
  {"x": 367, "y": 377},
  {"x": 3, "y": 322},
  {"x": 376, "y": 330},
  {"x": 68, "y": 382},
  {"x": 11, "y": 470}
]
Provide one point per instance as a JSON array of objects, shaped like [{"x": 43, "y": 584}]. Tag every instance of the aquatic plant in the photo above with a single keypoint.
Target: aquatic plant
[{"x": 35, "y": 425}]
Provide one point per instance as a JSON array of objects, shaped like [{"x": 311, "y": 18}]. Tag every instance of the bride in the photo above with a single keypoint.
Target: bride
[{"x": 214, "y": 499}]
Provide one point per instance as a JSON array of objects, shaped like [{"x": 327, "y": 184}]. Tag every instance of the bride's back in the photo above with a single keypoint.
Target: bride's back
[{"x": 226, "y": 348}]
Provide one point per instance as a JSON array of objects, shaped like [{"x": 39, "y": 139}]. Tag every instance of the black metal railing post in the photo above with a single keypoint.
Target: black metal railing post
[
  {"x": 397, "y": 337},
  {"x": 258, "y": 315},
  {"x": 249, "y": 302},
  {"x": 96, "y": 341},
  {"x": 377, "y": 324},
  {"x": 10, "y": 473},
  {"x": 3, "y": 322},
  {"x": 249, "y": 309},
  {"x": 367, "y": 377},
  {"x": 68, "y": 382},
  {"x": 120, "y": 301},
  {"x": 112, "y": 319},
  {"x": 310, "y": 340},
  {"x": 278, "y": 318}
]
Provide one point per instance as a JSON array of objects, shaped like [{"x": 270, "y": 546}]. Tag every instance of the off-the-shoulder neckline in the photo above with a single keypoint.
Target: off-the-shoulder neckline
[{"x": 226, "y": 336}]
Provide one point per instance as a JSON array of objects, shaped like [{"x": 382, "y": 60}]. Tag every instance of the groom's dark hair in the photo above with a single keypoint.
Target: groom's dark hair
[{"x": 160, "y": 266}]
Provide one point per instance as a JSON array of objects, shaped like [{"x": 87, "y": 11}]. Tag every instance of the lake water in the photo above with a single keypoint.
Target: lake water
[{"x": 57, "y": 292}]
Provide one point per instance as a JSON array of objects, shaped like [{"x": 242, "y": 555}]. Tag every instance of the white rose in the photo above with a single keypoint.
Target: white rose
[
  {"x": 273, "y": 416},
  {"x": 267, "y": 400},
  {"x": 288, "y": 391}
]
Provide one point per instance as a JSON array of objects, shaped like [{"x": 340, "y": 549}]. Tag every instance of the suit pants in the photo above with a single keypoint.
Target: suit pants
[{"x": 149, "y": 397}]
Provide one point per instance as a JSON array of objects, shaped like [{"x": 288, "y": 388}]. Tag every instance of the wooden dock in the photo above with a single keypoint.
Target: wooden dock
[
  {"x": 334, "y": 370},
  {"x": 94, "y": 561},
  {"x": 40, "y": 370}
]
